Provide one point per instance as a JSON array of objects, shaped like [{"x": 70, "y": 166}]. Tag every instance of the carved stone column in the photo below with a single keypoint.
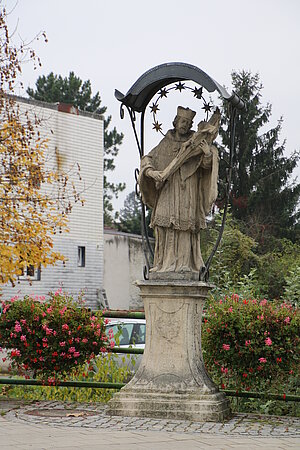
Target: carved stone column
[{"x": 172, "y": 381}]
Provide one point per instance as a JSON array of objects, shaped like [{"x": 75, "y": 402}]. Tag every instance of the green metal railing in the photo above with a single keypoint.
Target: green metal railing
[
  {"x": 123, "y": 314},
  {"x": 79, "y": 384},
  {"x": 97, "y": 385}
]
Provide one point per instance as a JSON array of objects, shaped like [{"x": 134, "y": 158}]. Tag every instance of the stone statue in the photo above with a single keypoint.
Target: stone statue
[{"x": 178, "y": 180}]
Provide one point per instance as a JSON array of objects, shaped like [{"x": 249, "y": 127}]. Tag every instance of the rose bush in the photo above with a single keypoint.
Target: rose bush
[
  {"x": 251, "y": 344},
  {"x": 52, "y": 336}
]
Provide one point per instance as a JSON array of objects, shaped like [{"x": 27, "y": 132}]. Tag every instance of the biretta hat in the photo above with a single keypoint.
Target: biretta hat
[{"x": 187, "y": 113}]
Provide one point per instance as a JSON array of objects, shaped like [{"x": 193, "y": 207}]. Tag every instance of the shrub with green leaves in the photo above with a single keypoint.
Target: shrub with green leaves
[
  {"x": 292, "y": 288},
  {"x": 50, "y": 337},
  {"x": 250, "y": 344}
]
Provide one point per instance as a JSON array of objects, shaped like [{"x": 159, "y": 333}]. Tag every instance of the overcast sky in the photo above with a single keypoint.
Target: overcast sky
[{"x": 113, "y": 42}]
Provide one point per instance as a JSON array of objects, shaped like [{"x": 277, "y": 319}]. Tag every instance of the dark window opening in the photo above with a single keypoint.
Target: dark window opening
[{"x": 81, "y": 257}]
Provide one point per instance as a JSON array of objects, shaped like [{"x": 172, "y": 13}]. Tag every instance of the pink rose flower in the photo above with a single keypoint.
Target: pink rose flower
[
  {"x": 262, "y": 360},
  {"x": 268, "y": 342},
  {"x": 18, "y": 328},
  {"x": 111, "y": 333},
  {"x": 62, "y": 311},
  {"x": 226, "y": 347}
]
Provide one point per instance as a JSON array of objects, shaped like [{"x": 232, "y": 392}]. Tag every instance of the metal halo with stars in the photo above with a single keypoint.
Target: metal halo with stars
[{"x": 163, "y": 93}]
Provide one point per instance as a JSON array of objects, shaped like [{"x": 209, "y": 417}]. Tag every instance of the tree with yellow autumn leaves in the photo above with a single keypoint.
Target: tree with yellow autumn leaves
[{"x": 35, "y": 200}]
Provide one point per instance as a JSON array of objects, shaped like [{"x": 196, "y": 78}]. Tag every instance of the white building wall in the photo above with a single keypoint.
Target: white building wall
[
  {"x": 77, "y": 139},
  {"x": 123, "y": 265}
]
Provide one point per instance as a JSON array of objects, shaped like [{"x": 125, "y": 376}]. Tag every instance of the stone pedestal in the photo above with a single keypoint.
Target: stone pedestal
[{"x": 171, "y": 381}]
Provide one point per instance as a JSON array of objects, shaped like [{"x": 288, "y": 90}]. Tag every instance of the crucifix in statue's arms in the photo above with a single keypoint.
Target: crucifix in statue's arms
[{"x": 198, "y": 144}]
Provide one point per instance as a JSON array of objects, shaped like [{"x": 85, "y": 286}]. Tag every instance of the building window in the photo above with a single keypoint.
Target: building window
[
  {"x": 81, "y": 257},
  {"x": 31, "y": 273}
]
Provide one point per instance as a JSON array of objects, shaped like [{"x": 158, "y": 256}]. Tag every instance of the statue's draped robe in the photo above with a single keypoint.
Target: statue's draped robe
[{"x": 180, "y": 205}]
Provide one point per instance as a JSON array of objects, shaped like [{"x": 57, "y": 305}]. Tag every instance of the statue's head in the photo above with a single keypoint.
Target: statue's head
[{"x": 184, "y": 120}]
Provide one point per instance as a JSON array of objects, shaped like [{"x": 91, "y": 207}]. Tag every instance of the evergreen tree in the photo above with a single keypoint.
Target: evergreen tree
[
  {"x": 130, "y": 215},
  {"x": 55, "y": 88},
  {"x": 262, "y": 196}
]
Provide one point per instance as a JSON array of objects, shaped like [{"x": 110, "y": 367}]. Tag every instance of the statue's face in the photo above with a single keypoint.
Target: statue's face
[{"x": 183, "y": 125}]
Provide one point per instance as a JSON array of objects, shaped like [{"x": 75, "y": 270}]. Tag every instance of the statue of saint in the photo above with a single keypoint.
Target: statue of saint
[{"x": 178, "y": 180}]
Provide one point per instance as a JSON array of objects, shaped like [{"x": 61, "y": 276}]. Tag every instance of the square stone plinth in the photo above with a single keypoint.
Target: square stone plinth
[{"x": 172, "y": 381}]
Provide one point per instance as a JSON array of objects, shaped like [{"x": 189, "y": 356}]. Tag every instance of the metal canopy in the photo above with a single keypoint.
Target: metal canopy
[{"x": 140, "y": 94}]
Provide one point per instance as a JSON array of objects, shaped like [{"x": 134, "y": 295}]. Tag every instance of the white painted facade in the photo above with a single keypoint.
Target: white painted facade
[
  {"x": 77, "y": 137},
  {"x": 123, "y": 265}
]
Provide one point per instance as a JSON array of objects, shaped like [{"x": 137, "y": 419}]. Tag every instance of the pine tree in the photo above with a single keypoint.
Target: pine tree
[
  {"x": 130, "y": 215},
  {"x": 54, "y": 88},
  {"x": 263, "y": 196}
]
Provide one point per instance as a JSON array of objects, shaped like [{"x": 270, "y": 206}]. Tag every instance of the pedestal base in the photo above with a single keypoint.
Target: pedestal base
[
  {"x": 198, "y": 408},
  {"x": 172, "y": 381}
]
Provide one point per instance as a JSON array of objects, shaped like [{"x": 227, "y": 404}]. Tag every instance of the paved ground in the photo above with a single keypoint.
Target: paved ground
[{"x": 66, "y": 426}]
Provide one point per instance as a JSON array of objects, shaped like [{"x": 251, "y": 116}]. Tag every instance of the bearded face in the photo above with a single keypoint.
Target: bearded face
[{"x": 183, "y": 125}]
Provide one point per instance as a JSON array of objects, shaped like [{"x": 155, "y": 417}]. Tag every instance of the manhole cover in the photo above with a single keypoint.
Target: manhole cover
[{"x": 60, "y": 413}]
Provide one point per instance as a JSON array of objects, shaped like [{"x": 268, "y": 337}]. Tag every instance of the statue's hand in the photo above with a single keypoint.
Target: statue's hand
[
  {"x": 205, "y": 148},
  {"x": 155, "y": 174}
]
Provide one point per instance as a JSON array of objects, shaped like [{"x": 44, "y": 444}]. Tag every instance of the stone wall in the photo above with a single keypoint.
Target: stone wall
[{"x": 123, "y": 265}]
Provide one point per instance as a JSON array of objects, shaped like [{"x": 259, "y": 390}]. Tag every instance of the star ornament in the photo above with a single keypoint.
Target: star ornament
[
  {"x": 179, "y": 86},
  {"x": 163, "y": 92},
  {"x": 207, "y": 107},
  {"x": 198, "y": 92},
  {"x": 154, "y": 108},
  {"x": 157, "y": 126}
]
